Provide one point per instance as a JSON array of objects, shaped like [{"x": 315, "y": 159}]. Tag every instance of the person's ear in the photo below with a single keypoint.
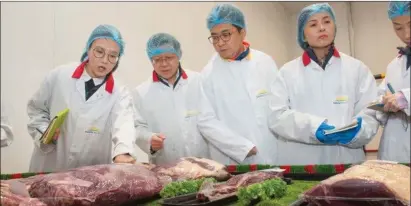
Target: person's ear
[{"x": 243, "y": 34}]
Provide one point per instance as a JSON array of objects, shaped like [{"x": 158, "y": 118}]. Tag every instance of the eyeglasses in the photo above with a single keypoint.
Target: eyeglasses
[
  {"x": 167, "y": 60},
  {"x": 214, "y": 39},
  {"x": 101, "y": 53}
]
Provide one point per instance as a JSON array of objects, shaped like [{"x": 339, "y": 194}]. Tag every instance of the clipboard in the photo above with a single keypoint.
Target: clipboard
[
  {"x": 342, "y": 129},
  {"x": 376, "y": 106},
  {"x": 55, "y": 123}
]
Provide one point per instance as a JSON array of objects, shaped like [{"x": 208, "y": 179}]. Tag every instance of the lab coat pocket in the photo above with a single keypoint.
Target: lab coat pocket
[
  {"x": 193, "y": 140},
  {"x": 341, "y": 113},
  {"x": 262, "y": 99},
  {"x": 93, "y": 139}
]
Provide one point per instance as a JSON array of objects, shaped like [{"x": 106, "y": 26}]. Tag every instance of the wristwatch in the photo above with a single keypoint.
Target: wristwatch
[{"x": 152, "y": 151}]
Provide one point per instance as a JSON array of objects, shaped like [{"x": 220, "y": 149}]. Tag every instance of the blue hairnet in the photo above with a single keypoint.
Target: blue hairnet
[
  {"x": 163, "y": 43},
  {"x": 225, "y": 14},
  {"x": 107, "y": 32},
  {"x": 398, "y": 8},
  {"x": 305, "y": 14}
]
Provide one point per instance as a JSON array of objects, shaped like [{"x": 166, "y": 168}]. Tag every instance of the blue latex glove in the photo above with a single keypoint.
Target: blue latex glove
[
  {"x": 346, "y": 136},
  {"x": 322, "y": 137}
]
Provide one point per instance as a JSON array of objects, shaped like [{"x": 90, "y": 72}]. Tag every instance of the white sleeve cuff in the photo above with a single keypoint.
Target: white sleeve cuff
[
  {"x": 316, "y": 123},
  {"x": 123, "y": 149}
]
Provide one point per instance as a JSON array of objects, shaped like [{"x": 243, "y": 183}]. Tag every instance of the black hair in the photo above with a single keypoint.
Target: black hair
[{"x": 238, "y": 28}]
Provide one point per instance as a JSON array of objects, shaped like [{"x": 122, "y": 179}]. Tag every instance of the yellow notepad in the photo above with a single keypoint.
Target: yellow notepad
[{"x": 55, "y": 123}]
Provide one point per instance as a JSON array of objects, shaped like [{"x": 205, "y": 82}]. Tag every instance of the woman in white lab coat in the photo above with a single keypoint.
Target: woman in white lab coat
[
  {"x": 99, "y": 127},
  {"x": 321, "y": 90},
  {"x": 236, "y": 80},
  {"x": 395, "y": 140},
  {"x": 7, "y": 135},
  {"x": 173, "y": 116}
]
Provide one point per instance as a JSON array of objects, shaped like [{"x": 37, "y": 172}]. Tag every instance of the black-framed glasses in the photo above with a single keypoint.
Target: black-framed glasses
[
  {"x": 225, "y": 37},
  {"x": 101, "y": 53}
]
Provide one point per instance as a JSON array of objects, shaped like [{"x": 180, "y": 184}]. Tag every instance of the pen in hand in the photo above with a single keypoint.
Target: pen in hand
[
  {"x": 390, "y": 88},
  {"x": 390, "y": 103}
]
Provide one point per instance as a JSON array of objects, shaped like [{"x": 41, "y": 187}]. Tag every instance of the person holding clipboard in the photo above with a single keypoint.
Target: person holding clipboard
[
  {"x": 317, "y": 97},
  {"x": 93, "y": 112},
  {"x": 392, "y": 110}
]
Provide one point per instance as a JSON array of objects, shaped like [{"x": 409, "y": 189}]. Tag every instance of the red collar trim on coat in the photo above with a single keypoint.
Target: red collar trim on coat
[
  {"x": 307, "y": 60},
  {"x": 80, "y": 69},
  {"x": 156, "y": 78}
]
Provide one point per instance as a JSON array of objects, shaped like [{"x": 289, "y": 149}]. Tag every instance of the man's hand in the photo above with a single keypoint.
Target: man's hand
[
  {"x": 252, "y": 152},
  {"x": 157, "y": 142},
  {"x": 390, "y": 103},
  {"x": 124, "y": 158},
  {"x": 56, "y": 135},
  {"x": 5, "y": 188}
]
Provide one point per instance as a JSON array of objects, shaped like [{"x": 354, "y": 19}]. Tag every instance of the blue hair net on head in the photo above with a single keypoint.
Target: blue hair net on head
[
  {"x": 305, "y": 14},
  {"x": 107, "y": 32},
  {"x": 225, "y": 14},
  {"x": 163, "y": 43},
  {"x": 398, "y": 8}
]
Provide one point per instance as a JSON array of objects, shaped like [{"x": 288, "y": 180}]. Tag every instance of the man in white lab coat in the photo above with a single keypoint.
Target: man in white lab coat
[
  {"x": 322, "y": 90},
  {"x": 236, "y": 80},
  {"x": 173, "y": 116},
  {"x": 395, "y": 140},
  {"x": 99, "y": 127},
  {"x": 7, "y": 135}
]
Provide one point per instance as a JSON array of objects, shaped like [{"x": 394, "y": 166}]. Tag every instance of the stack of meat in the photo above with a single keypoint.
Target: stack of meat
[
  {"x": 371, "y": 183},
  {"x": 111, "y": 184}
]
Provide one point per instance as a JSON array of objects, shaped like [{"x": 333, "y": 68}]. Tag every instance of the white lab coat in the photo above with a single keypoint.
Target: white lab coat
[
  {"x": 7, "y": 135},
  {"x": 94, "y": 131},
  {"x": 184, "y": 116},
  {"x": 395, "y": 139},
  {"x": 305, "y": 96},
  {"x": 239, "y": 94}
]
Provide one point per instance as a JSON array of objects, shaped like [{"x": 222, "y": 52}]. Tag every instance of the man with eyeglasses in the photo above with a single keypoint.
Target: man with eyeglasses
[
  {"x": 173, "y": 116},
  {"x": 99, "y": 128},
  {"x": 236, "y": 81}
]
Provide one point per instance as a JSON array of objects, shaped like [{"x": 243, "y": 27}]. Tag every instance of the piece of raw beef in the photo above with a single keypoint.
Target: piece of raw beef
[
  {"x": 189, "y": 168},
  {"x": 371, "y": 183},
  {"x": 212, "y": 191},
  {"x": 109, "y": 184}
]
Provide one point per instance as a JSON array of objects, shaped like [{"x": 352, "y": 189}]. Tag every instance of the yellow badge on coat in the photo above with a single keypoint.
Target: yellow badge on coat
[
  {"x": 261, "y": 92},
  {"x": 190, "y": 113},
  {"x": 93, "y": 130},
  {"x": 342, "y": 99}
]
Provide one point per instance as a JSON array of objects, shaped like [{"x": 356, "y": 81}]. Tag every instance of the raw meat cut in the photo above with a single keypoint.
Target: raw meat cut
[
  {"x": 25, "y": 181},
  {"x": 14, "y": 193},
  {"x": 110, "y": 184},
  {"x": 193, "y": 168},
  {"x": 10, "y": 199},
  {"x": 213, "y": 191},
  {"x": 372, "y": 180},
  {"x": 149, "y": 166}
]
